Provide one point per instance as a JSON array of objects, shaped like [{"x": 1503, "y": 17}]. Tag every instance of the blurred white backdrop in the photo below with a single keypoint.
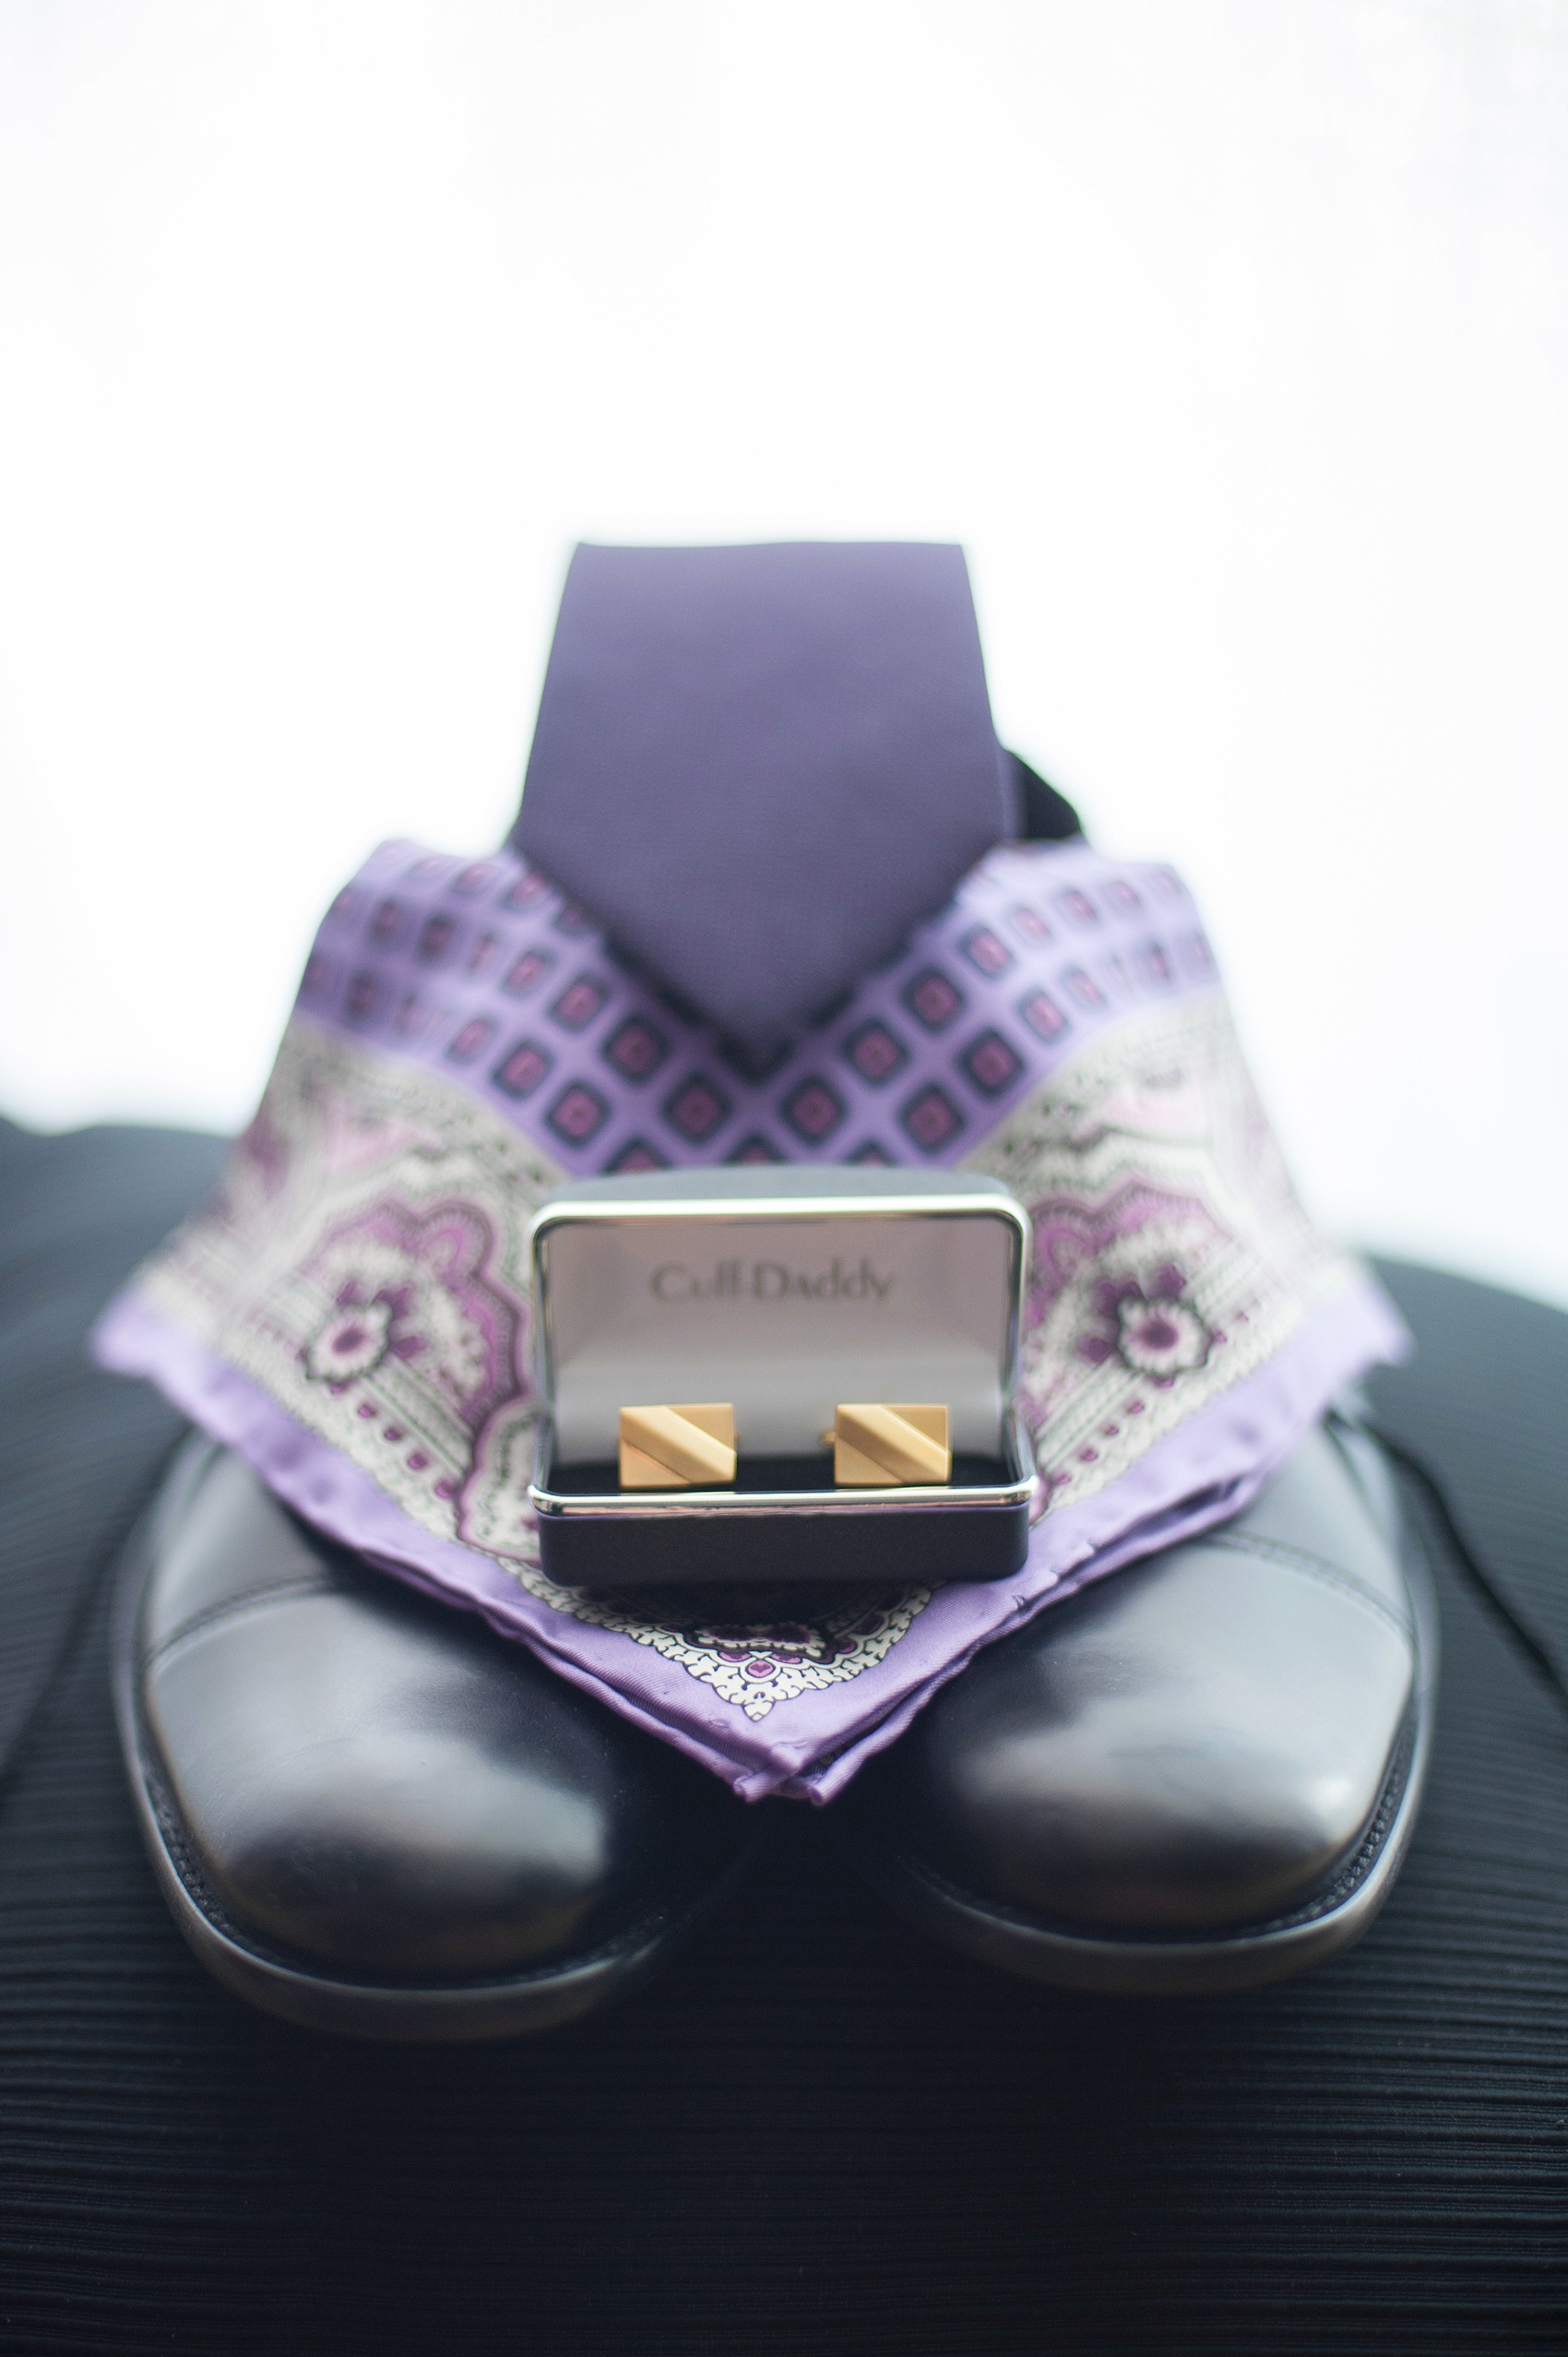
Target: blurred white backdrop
[{"x": 1230, "y": 337}]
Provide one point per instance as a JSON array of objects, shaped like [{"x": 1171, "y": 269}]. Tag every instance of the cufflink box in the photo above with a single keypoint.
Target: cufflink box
[{"x": 784, "y": 1290}]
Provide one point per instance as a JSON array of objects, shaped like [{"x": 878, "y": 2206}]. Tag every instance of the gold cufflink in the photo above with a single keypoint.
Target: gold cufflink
[
  {"x": 878, "y": 1445},
  {"x": 678, "y": 1448}
]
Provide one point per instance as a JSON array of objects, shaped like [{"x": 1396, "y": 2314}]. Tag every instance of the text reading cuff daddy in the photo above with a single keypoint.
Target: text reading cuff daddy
[{"x": 771, "y": 1280}]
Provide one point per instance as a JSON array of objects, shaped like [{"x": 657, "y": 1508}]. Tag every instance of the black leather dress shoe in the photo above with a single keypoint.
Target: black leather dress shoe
[
  {"x": 368, "y": 1812},
  {"x": 1199, "y": 1774}
]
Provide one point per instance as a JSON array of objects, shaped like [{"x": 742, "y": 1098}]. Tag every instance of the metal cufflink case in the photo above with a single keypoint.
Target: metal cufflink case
[{"x": 784, "y": 1291}]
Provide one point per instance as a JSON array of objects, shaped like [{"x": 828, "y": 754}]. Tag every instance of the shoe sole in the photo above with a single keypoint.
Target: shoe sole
[
  {"x": 313, "y": 1997},
  {"x": 1161, "y": 1967}
]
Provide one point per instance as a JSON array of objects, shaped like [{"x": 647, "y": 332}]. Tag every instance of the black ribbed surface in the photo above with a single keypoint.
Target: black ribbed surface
[
  {"x": 1488, "y": 1411},
  {"x": 817, "y": 2133},
  {"x": 76, "y": 1447}
]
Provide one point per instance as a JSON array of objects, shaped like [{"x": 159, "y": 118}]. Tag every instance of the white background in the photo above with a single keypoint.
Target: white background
[{"x": 1230, "y": 336}]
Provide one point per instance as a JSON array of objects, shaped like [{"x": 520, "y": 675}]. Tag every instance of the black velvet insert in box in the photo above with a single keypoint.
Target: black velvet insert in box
[
  {"x": 659, "y": 1538},
  {"x": 759, "y": 1475}
]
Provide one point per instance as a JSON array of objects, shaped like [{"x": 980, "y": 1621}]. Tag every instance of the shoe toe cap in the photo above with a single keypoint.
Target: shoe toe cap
[
  {"x": 1143, "y": 1831},
  {"x": 1198, "y": 1745},
  {"x": 377, "y": 1792}
]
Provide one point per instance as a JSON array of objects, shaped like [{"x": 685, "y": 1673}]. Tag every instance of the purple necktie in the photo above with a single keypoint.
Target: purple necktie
[{"x": 760, "y": 767}]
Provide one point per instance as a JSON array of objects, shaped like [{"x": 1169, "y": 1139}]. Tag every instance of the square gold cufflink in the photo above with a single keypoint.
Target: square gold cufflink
[
  {"x": 684, "y": 1447},
  {"x": 879, "y": 1444}
]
